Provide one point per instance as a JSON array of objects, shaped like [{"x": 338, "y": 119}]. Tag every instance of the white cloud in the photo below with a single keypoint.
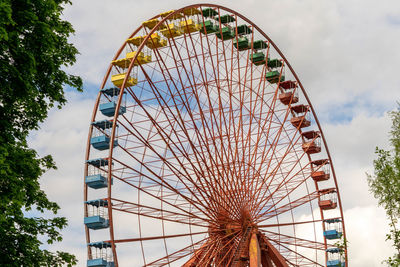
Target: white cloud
[
  {"x": 366, "y": 228},
  {"x": 352, "y": 147}
]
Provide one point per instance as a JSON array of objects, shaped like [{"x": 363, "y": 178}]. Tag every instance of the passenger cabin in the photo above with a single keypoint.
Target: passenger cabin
[
  {"x": 225, "y": 34},
  {"x": 287, "y": 85},
  {"x": 141, "y": 58},
  {"x": 290, "y": 94},
  {"x": 209, "y": 12},
  {"x": 125, "y": 62},
  {"x": 259, "y": 44},
  {"x": 101, "y": 135},
  {"x": 274, "y": 76},
  {"x": 302, "y": 116},
  {"x": 150, "y": 24},
  {"x": 122, "y": 63},
  {"x": 97, "y": 176},
  {"x": 226, "y": 19},
  {"x": 274, "y": 63},
  {"x": 312, "y": 142},
  {"x": 118, "y": 79},
  {"x": 321, "y": 170},
  {"x": 333, "y": 229},
  {"x": 189, "y": 26},
  {"x": 242, "y": 43},
  {"x": 328, "y": 199},
  {"x": 155, "y": 41},
  {"x": 97, "y": 216},
  {"x": 108, "y": 104},
  {"x": 208, "y": 27},
  {"x": 171, "y": 31},
  {"x": 172, "y": 17},
  {"x": 101, "y": 255},
  {"x": 258, "y": 58},
  {"x": 335, "y": 258},
  {"x": 243, "y": 29},
  {"x": 137, "y": 40}
]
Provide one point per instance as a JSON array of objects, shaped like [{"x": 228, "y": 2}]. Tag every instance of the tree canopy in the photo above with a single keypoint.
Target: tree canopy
[
  {"x": 34, "y": 53},
  {"x": 385, "y": 185}
]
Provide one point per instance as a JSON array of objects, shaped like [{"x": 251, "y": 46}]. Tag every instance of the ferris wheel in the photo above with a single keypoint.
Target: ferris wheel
[{"x": 204, "y": 150}]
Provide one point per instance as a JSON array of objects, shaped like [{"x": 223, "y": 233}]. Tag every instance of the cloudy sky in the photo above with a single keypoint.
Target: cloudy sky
[{"x": 345, "y": 53}]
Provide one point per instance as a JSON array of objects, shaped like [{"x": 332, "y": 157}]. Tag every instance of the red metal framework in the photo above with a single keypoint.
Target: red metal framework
[{"x": 212, "y": 158}]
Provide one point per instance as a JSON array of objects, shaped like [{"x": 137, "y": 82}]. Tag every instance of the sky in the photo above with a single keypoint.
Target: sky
[{"x": 344, "y": 52}]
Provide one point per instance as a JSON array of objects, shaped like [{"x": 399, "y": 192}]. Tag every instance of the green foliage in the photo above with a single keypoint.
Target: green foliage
[
  {"x": 343, "y": 245},
  {"x": 385, "y": 185},
  {"x": 34, "y": 48},
  {"x": 34, "y": 52}
]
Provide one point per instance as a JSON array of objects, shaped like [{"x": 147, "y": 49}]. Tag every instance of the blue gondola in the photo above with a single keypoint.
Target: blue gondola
[
  {"x": 97, "y": 262},
  {"x": 338, "y": 261},
  {"x": 335, "y": 263},
  {"x": 333, "y": 232},
  {"x": 97, "y": 220},
  {"x": 108, "y": 108},
  {"x": 97, "y": 180},
  {"x": 102, "y": 142},
  {"x": 102, "y": 260}
]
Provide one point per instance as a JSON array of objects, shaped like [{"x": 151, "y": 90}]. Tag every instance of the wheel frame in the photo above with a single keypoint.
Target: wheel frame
[{"x": 119, "y": 101}]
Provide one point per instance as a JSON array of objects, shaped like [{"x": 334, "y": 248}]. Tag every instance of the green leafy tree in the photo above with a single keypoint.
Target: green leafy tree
[
  {"x": 385, "y": 185},
  {"x": 34, "y": 53}
]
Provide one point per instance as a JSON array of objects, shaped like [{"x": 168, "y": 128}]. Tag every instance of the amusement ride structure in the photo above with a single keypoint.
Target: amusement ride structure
[{"x": 204, "y": 150}]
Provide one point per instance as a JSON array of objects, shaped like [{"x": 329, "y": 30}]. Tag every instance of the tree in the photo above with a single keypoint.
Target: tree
[
  {"x": 34, "y": 53},
  {"x": 385, "y": 185}
]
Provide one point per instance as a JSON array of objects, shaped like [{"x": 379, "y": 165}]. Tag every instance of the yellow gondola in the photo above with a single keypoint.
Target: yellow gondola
[
  {"x": 171, "y": 31},
  {"x": 137, "y": 40},
  {"x": 155, "y": 41},
  {"x": 189, "y": 26},
  {"x": 117, "y": 80},
  {"x": 150, "y": 24},
  {"x": 191, "y": 11},
  {"x": 141, "y": 58},
  {"x": 124, "y": 62},
  {"x": 175, "y": 16}
]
